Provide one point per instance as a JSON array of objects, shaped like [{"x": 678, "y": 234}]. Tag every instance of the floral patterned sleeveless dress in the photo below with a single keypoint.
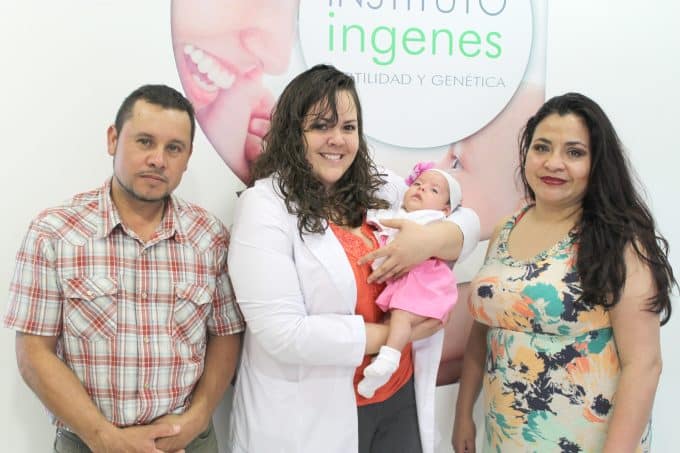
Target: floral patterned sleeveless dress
[{"x": 551, "y": 366}]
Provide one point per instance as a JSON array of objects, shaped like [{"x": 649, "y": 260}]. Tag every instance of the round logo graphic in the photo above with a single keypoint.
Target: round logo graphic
[{"x": 429, "y": 73}]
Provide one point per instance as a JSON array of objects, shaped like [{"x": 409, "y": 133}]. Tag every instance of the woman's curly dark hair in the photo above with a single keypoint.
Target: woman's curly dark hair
[
  {"x": 614, "y": 214},
  {"x": 284, "y": 155}
]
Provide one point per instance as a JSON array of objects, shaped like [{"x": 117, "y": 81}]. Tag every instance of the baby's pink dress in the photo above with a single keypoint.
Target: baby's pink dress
[{"x": 429, "y": 289}]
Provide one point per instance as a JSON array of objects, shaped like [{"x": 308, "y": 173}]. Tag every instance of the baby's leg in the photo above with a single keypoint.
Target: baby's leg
[
  {"x": 401, "y": 322},
  {"x": 387, "y": 361}
]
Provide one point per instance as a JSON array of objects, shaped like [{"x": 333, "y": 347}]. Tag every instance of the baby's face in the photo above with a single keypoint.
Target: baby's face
[
  {"x": 485, "y": 164},
  {"x": 429, "y": 191}
]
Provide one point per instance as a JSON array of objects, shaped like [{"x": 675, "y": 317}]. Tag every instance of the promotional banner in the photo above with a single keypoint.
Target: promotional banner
[{"x": 440, "y": 80}]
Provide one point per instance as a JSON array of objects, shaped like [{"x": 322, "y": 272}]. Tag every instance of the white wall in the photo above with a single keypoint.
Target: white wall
[{"x": 67, "y": 65}]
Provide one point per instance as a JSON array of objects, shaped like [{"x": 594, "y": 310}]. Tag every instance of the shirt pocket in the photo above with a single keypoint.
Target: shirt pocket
[
  {"x": 191, "y": 311},
  {"x": 90, "y": 308}
]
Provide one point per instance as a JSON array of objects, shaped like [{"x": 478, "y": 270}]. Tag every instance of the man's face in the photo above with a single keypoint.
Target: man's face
[{"x": 150, "y": 152}]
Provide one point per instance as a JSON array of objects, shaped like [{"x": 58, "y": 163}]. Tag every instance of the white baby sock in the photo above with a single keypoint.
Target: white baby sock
[{"x": 379, "y": 371}]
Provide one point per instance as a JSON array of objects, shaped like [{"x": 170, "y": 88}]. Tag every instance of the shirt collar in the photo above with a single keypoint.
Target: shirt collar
[{"x": 170, "y": 226}]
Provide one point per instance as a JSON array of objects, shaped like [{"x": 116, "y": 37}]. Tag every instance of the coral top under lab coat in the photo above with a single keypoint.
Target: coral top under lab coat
[{"x": 302, "y": 342}]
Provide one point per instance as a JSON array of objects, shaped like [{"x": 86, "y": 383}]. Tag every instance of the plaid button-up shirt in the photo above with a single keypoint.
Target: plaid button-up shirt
[{"x": 132, "y": 317}]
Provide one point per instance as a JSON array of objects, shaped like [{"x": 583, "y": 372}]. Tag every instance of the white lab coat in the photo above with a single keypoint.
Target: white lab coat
[{"x": 294, "y": 392}]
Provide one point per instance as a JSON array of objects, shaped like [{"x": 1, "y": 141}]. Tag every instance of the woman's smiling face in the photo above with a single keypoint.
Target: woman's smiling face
[
  {"x": 557, "y": 166},
  {"x": 222, "y": 49},
  {"x": 332, "y": 146}
]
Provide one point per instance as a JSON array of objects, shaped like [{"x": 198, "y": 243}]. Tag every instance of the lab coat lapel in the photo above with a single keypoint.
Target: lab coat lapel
[{"x": 329, "y": 252}]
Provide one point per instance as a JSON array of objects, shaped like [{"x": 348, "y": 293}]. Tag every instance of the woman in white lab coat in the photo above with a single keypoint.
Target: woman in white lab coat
[{"x": 303, "y": 294}]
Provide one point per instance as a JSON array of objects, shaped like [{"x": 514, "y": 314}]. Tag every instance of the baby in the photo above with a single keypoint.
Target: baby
[{"x": 428, "y": 290}]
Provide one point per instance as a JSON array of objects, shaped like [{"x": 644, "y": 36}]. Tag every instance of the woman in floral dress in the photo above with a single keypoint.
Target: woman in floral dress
[{"x": 567, "y": 306}]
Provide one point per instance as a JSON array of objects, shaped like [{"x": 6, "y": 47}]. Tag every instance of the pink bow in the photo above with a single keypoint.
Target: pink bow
[{"x": 418, "y": 169}]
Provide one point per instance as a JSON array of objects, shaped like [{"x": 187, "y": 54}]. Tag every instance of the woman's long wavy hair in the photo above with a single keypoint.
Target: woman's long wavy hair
[
  {"x": 284, "y": 155},
  {"x": 614, "y": 213}
]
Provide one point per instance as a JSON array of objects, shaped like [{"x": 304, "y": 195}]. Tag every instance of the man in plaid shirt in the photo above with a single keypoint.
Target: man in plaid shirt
[{"x": 126, "y": 324}]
